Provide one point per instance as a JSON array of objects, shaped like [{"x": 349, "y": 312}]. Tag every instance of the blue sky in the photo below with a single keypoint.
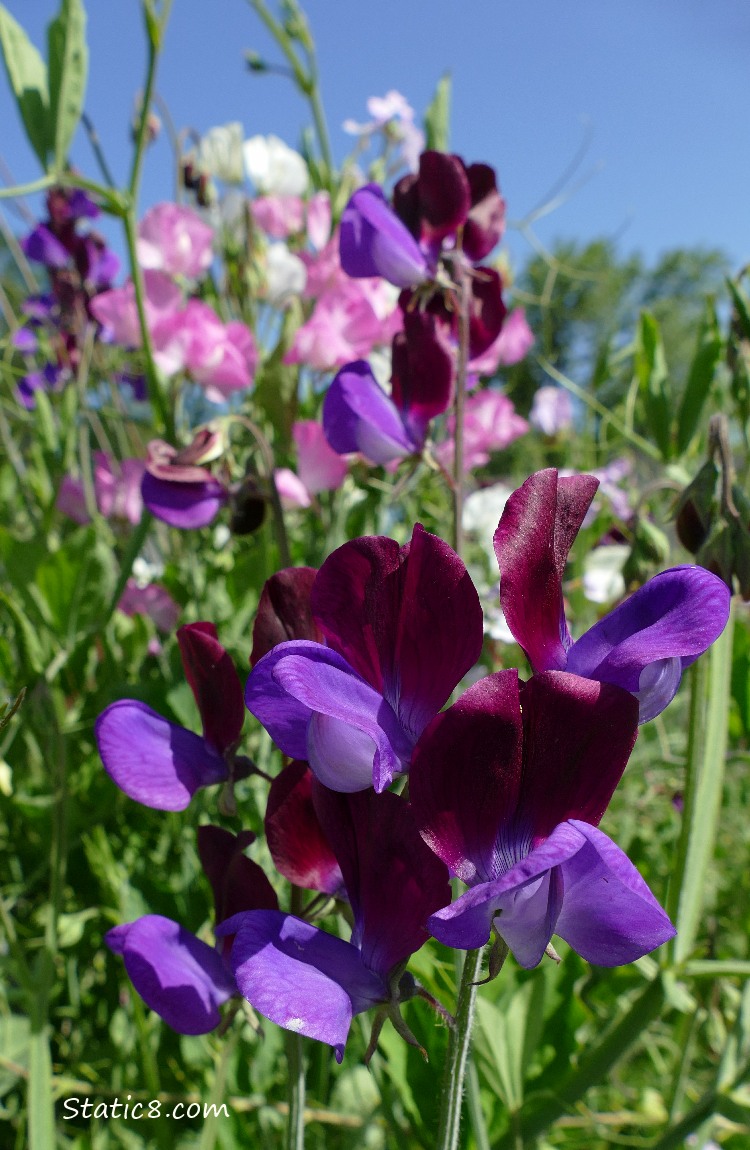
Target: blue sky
[{"x": 659, "y": 91}]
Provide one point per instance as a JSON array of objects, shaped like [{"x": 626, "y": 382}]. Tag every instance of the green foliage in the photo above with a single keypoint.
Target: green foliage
[
  {"x": 68, "y": 69},
  {"x": 27, "y": 74},
  {"x": 437, "y": 118}
]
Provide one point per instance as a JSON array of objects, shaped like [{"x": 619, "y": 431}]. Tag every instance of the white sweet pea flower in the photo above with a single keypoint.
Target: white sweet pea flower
[
  {"x": 481, "y": 515},
  {"x": 286, "y": 275},
  {"x": 602, "y": 573},
  {"x": 274, "y": 167},
  {"x": 220, "y": 153}
]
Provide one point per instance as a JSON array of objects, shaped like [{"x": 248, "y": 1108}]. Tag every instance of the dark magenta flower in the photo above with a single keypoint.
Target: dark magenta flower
[
  {"x": 403, "y": 626},
  {"x": 312, "y": 983},
  {"x": 298, "y": 845},
  {"x": 159, "y": 763},
  {"x": 285, "y": 611},
  {"x": 507, "y": 788},
  {"x": 644, "y": 644},
  {"x": 176, "y": 974}
]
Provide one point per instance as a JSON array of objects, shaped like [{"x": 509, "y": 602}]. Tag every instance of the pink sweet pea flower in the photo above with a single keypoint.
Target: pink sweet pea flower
[
  {"x": 551, "y": 411},
  {"x": 174, "y": 239},
  {"x": 514, "y": 342},
  {"x": 153, "y": 601},
  {"x": 278, "y": 216},
  {"x": 319, "y": 220},
  {"x": 320, "y": 468},
  {"x": 345, "y": 326},
  {"x": 116, "y": 309},
  {"x": 117, "y": 489},
  {"x": 220, "y": 357},
  {"x": 491, "y": 423}
]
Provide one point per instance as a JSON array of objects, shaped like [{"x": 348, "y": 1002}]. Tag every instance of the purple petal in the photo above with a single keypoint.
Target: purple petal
[
  {"x": 359, "y": 416},
  {"x": 184, "y": 505},
  {"x": 237, "y": 882},
  {"x": 487, "y": 312},
  {"x": 299, "y": 848},
  {"x": 393, "y": 880},
  {"x": 524, "y": 903},
  {"x": 43, "y": 247},
  {"x": 578, "y": 735},
  {"x": 676, "y": 615},
  {"x": 300, "y": 977},
  {"x": 536, "y": 531},
  {"x": 374, "y": 242},
  {"x": 315, "y": 707},
  {"x": 465, "y": 776},
  {"x": 152, "y": 760},
  {"x": 214, "y": 682},
  {"x": 609, "y": 915},
  {"x": 444, "y": 194},
  {"x": 183, "y": 979},
  {"x": 423, "y": 362}
]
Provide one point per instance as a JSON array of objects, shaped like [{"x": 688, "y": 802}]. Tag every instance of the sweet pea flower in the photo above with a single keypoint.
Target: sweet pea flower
[
  {"x": 403, "y": 626},
  {"x": 220, "y": 153},
  {"x": 176, "y": 488},
  {"x": 180, "y": 977},
  {"x": 285, "y": 611},
  {"x": 551, "y": 411},
  {"x": 511, "y": 346},
  {"x": 117, "y": 490},
  {"x": 116, "y": 311},
  {"x": 644, "y": 644},
  {"x": 491, "y": 423},
  {"x": 160, "y": 764},
  {"x": 296, "y": 840},
  {"x": 318, "y": 220},
  {"x": 174, "y": 239},
  {"x": 154, "y": 601},
  {"x": 319, "y": 468},
  {"x": 312, "y": 983},
  {"x": 286, "y": 275},
  {"x": 274, "y": 167},
  {"x": 278, "y": 216},
  {"x": 345, "y": 325},
  {"x": 508, "y": 787}
]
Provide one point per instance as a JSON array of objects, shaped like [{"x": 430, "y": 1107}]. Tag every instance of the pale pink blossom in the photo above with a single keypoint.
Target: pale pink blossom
[
  {"x": 117, "y": 312},
  {"x": 320, "y": 467},
  {"x": 491, "y": 423},
  {"x": 291, "y": 489},
  {"x": 552, "y": 410},
  {"x": 318, "y": 220},
  {"x": 324, "y": 269},
  {"x": 220, "y": 357},
  {"x": 174, "y": 239},
  {"x": 344, "y": 326},
  {"x": 153, "y": 601},
  {"x": 513, "y": 343},
  {"x": 117, "y": 491},
  {"x": 392, "y": 109},
  {"x": 278, "y": 216}
]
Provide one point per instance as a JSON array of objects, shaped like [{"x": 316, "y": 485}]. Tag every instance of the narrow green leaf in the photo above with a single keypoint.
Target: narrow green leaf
[
  {"x": 707, "y": 743},
  {"x": 438, "y": 115},
  {"x": 741, "y": 308},
  {"x": 27, "y": 74},
  {"x": 700, "y": 378},
  {"x": 68, "y": 69},
  {"x": 41, "y": 1105},
  {"x": 653, "y": 381}
]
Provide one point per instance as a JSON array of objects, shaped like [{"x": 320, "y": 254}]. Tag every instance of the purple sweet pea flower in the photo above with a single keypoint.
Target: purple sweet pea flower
[
  {"x": 643, "y": 645},
  {"x": 403, "y": 626},
  {"x": 507, "y": 787},
  {"x": 308, "y": 981},
  {"x": 374, "y": 242},
  {"x": 176, "y": 489},
  {"x": 160, "y": 764},
  {"x": 181, "y": 978}
]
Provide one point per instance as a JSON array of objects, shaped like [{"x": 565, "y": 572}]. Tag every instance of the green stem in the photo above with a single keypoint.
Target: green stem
[
  {"x": 135, "y": 544},
  {"x": 459, "y": 1044},
  {"x": 295, "y": 1057},
  {"x": 710, "y": 697},
  {"x": 155, "y": 392}
]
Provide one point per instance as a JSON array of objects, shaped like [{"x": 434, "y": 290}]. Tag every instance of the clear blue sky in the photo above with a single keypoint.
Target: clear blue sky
[{"x": 659, "y": 87}]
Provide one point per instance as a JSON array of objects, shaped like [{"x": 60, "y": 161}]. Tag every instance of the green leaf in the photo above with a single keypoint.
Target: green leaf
[
  {"x": 68, "y": 69},
  {"x": 700, "y": 378},
  {"x": 437, "y": 117},
  {"x": 41, "y": 1106},
  {"x": 27, "y": 74},
  {"x": 653, "y": 381},
  {"x": 507, "y": 1037}
]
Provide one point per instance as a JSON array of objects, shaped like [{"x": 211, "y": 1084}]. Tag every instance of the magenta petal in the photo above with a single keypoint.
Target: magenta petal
[
  {"x": 486, "y": 311},
  {"x": 214, "y": 682},
  {"x": 299, "y": 848},
  {"x": 536, "y": 531},
  {"x": 578, "y": 735},
  {"x": 300, "y": 977},
  {"x": 524, "y": 903},
  {"x": 374, "y": 242},
  {"x": 423, "y": 362},
  {"x": 152, "y": 760},
  {"x": 183, "y": 979},
  {"x": 284, "y": 611},
  {"x": 184, "y": 505},
  {"x": 676, "y": 615},
  {"x": 237, "y": 882},
  {"x": 486, "y": 223},
  {"x": 393, "y": 880},
  {"x": 359, "y": 416},
  {"x": 609, "y": 915},
  {"x": 444, "y": 193},
  {"x": 465, "y": 776}
]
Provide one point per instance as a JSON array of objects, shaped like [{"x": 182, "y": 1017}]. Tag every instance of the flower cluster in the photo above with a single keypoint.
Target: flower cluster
[{"x": 351, "y": 667}]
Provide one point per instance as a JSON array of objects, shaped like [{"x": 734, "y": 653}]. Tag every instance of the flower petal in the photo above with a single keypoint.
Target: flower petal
[
  {"x": 238, "y": 883},
  {"x": 609, "y": 915},
  {"x": 300, "y": 977},
  {"x": 284, "y": 611},
  {"x": 677, "y": 614},
  {"x": 392, "y": 878},
  {"x": 183, "y": 979},
  {"x": 465, "y": 776},
  {"x": 299, "y": 848},
  {"x": 374, "y": 242},
  {"x": 214, "y": 682},
  {"x": 359, "y": 416},
  {"x": 152, "y": 760},
  {"x": 536, "y": 531},
  {"x": 184, "y": 505}
]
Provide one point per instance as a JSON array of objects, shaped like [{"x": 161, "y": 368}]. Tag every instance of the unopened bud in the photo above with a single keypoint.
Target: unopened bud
[{"x": 696, "y": 508}]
